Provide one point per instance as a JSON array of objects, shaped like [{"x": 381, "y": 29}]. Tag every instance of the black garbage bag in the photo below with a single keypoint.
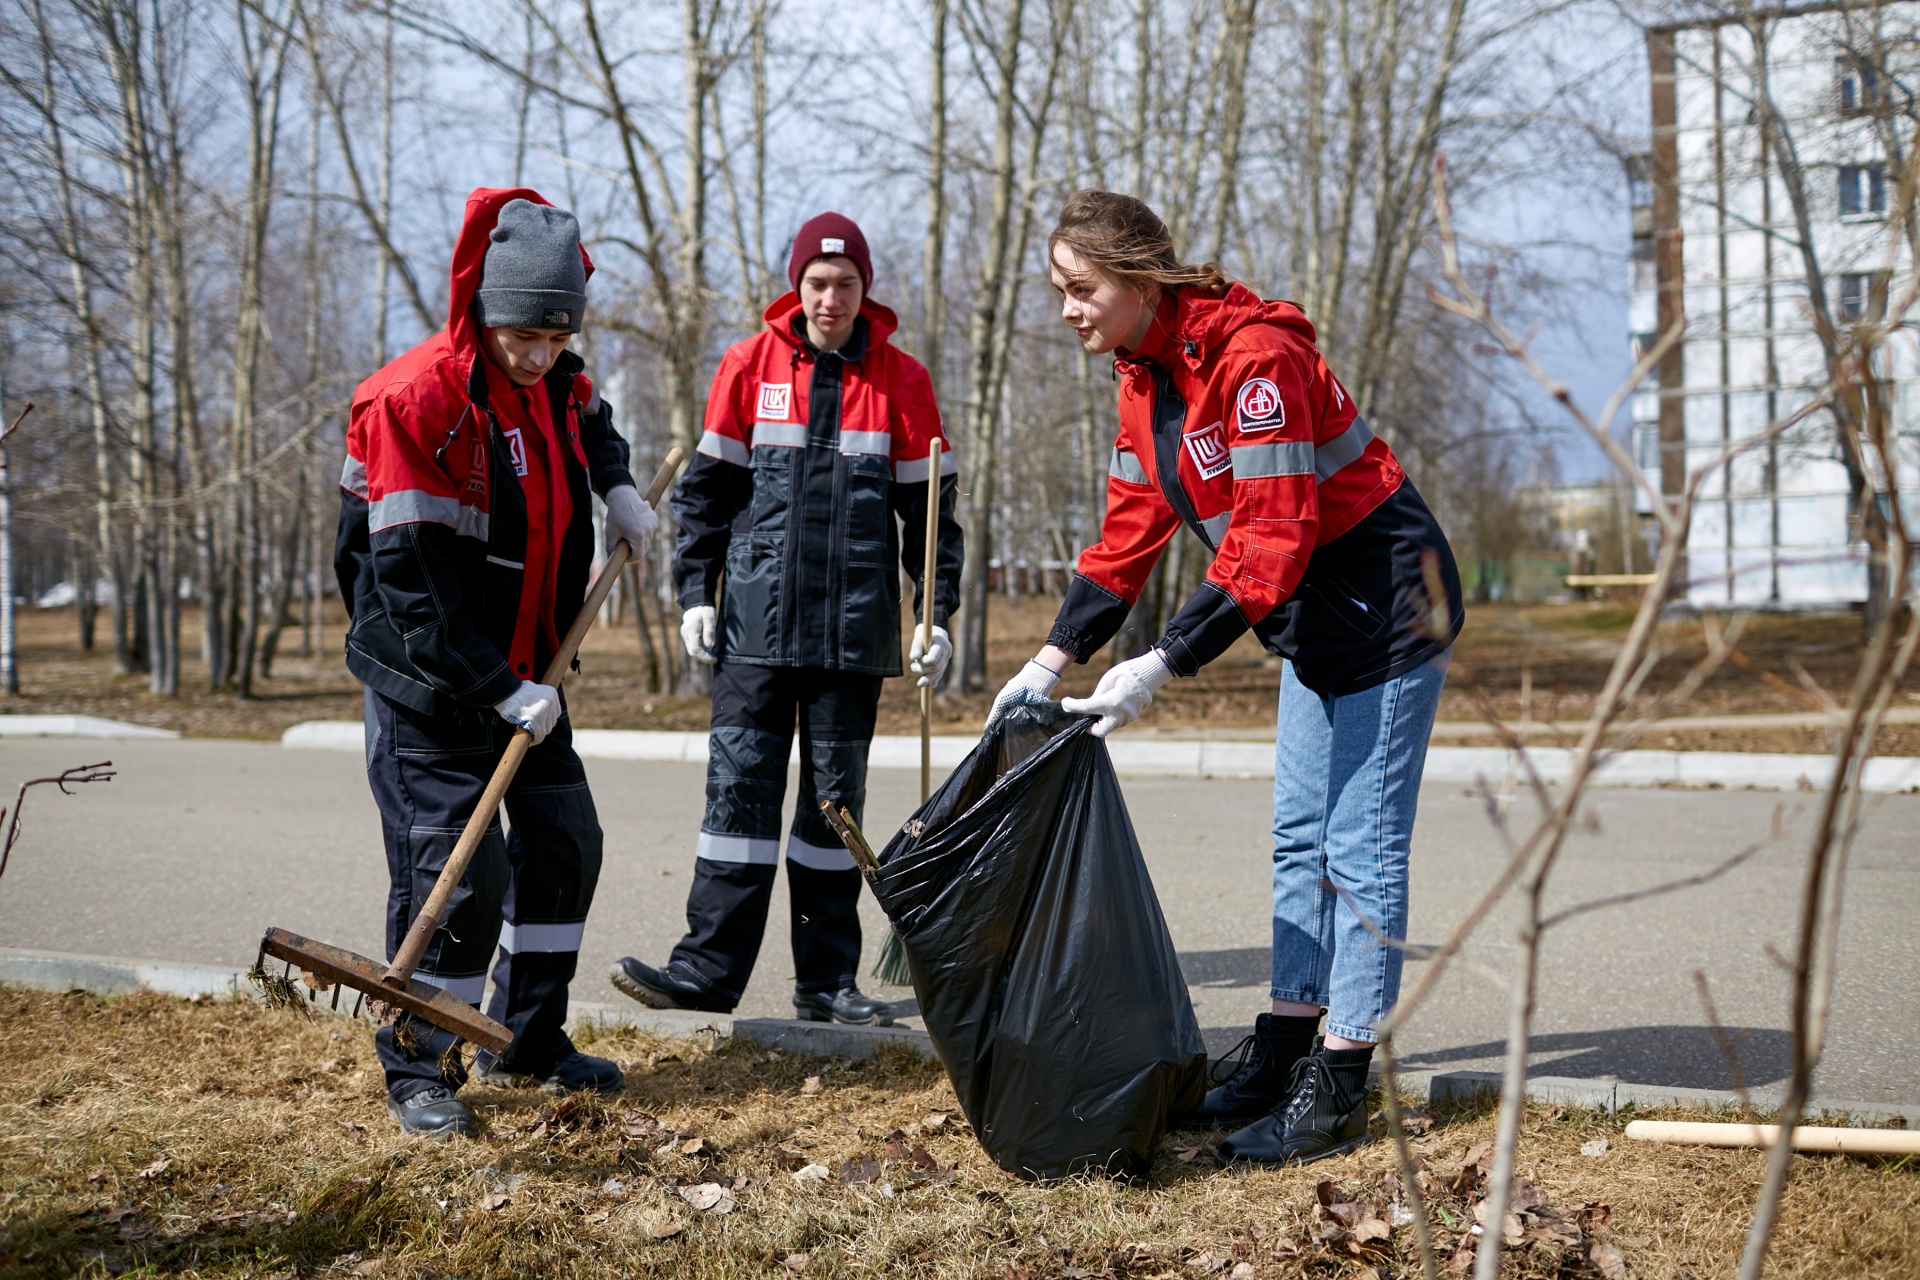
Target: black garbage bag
[{"x": 1042, "y": 964}]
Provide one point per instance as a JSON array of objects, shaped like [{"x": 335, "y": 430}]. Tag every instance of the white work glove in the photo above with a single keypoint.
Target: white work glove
[
  {"x": 1123, "y": 693},
  {"x": 629, "y": 517},
  {"x": 700, "y": 631},
  {"x": 1033, "y": 683},
  {"x": 930, "y": 663},
  {"x": 535, "y": 707}
]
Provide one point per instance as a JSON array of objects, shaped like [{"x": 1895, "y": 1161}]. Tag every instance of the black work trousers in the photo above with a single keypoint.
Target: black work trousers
[
  {"x": 526, "y": 893},
  {"x": 755, "y": 710}
]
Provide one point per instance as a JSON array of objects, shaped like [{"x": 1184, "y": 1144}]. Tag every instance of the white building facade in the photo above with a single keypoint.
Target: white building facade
[{"x": 1717, "y": 243}]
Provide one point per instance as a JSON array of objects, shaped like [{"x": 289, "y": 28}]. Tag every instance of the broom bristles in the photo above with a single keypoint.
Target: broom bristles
[{"x": 891, "y": 967}]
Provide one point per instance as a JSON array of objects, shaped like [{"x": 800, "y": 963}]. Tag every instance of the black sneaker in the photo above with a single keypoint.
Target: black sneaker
[
  {"x": 849, "y": 1005},
  {"x": 575, "y": 1073},
  {"x": 671, "y": 987},
  {"x": 1257, "y": 1082},
  {"x": 433, "y": 1111},
  {"x": 1325, "y": 1113}
]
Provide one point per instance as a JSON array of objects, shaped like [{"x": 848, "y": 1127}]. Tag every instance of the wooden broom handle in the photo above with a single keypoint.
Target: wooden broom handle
[
  {"x": 427, "y": 922},
  {"x": 929, "y": 562}
]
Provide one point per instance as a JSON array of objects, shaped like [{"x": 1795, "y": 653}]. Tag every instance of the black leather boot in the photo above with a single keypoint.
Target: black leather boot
[
  {"x": 433, "y": 1111},
  {"x": 574, "y": 1072},
  {"x": 670, "y": 987},
  {"x": 1325, "y": 1113},
  {"x": 849, "y": 1005},
  {"x": 1257, "y": 1082}
]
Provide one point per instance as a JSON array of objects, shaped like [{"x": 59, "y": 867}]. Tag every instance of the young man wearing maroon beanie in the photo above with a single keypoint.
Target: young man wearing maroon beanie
[{"x": 805, "y": 499}]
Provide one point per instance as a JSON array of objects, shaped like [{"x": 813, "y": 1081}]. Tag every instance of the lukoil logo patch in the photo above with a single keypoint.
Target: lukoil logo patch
[
  {"x": 776, "y": 401},
  {"x": 1208, "y": 448},
  {"x": 1259, "y": 406},
  {"x": 517, "y": 450}
]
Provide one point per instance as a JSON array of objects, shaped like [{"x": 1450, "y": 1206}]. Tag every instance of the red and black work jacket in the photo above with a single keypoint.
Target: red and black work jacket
[
  {"x": 466, "y": 525},
  {"x": 1232, "y": 424},
  {"x": 789, "y": 516}
]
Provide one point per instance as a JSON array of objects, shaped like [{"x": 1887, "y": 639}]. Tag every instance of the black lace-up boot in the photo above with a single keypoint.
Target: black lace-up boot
[
  {"x": 1324, "y": 1114},
  {"x": 1251, "y": 1080}
]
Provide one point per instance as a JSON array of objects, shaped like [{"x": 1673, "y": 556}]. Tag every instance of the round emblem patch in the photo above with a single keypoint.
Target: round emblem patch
[{"x": 1259, "y": 405}]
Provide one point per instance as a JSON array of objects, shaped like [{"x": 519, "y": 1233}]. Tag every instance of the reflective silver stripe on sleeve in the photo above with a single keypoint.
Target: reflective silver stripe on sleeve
[
  {"x": 914, "y": 470},
  {"x": 506, "y": 564},
  {"x": 413, "y": 506},
  {"x": 1343, "y": 449},
  {"x": 819, "y": 857},
  {"x": 518, "y": 939},
  {"x": 353, "y": 477},
  {"x": 725, "y": 448},
  {"x": 1124, "y": 465},
  {"x": 788, "y": 435},
  {"x": 1215, "y": 527},
  {"x": 1272, "y": 458},
  {"x": 880, "y": 442},
  {"x": 718, "y": 848}
]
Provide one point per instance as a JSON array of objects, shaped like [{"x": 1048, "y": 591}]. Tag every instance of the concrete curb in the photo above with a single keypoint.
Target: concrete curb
[
  {"x": 114, "y": 976},
  {"x": 1214, "y": 758},
  {"x": 109, "y": 975},
  {"x": 76, "y": 727}
]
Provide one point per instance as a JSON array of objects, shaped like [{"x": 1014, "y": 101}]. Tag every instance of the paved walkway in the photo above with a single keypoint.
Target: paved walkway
[{"x": 199, "y": 844}]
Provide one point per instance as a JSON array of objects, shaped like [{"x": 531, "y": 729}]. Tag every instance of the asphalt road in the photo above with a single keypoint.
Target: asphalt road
[{"x": 198, "y": 845}]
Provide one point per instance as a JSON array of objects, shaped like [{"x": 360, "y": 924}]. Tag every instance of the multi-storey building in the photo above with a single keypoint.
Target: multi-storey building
[{"x": 1717, "y": 242}]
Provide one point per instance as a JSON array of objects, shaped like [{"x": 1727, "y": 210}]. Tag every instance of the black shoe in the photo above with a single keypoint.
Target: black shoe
[
  {"x": 433, "y": 1111},
  {"x": 574, "y": 1073},
  {"x": 1257, "y": 1083},
  {"x": 672, "y": 987},
  {"x": 848, "y": 1005},
  {"x": 1325, "y": 1113}
]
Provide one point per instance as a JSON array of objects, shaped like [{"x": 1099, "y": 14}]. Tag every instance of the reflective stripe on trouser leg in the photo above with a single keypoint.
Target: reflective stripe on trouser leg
[
  {"x": 555, "y": 851},
  {"x": 738, "y": 850},
  {"x": 837, "y": 712},
  {"x": 426, "y": 775}
]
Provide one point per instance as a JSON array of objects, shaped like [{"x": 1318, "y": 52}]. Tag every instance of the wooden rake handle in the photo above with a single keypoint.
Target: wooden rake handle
[
  {"x": 929, "y": 566},
  {"x": 427, "y": 922}
]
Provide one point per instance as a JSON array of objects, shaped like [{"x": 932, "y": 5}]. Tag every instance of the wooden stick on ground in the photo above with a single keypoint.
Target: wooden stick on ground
[{"x": 1853, "y": 1142}]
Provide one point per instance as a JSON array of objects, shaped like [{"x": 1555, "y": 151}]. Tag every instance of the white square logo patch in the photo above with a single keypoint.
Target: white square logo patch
[
  {"x": 517, "y": 450},
  {"x": 776, "y": 401},
  {"x": 832, "y": 245},
  {"x": 1259, "y": 406},
  {"x": 1208, "y": 448}
]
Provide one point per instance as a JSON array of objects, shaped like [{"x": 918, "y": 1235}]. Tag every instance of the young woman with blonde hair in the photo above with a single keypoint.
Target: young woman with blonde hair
[{"x": 1232, "y": 425}]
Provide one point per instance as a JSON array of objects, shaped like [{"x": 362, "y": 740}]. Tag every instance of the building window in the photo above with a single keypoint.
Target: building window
[
  {"x": 1646, "y": 439},
  {"x": 1859, "y": 85},
  {"x": 1863, "y": 189},
  {"x": 1640, "y": 181},
  {"x": 1863, "y": 295}
]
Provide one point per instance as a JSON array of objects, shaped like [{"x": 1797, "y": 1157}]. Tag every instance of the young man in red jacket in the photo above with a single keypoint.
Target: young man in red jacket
[
  {"x": 815, "y": 454},
  {"x": 466, "y": 536}
]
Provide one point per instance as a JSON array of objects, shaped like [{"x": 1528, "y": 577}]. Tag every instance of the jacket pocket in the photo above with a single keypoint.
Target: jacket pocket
[
  {"x": 870, "y": 629},
  {"x": 750, "y": 598},
  {"x": 773, "y": 469},
  {"x": 1331, "y": 599},
  {"x": 869, "y": 496}
]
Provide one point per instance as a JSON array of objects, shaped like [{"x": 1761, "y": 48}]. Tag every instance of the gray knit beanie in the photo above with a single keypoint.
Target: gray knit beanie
[{"x": 533, "y": 277}]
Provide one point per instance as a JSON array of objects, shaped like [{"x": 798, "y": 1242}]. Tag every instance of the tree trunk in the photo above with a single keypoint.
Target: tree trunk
[{"x": 933, "y": 264}]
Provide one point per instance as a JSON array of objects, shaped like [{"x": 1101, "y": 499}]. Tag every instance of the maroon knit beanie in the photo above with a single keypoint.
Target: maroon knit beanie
[{"x": 830, "y": 235}]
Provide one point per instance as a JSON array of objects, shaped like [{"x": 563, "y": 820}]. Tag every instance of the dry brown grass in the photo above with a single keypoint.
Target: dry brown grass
[{"x": 152, "y": 1136}]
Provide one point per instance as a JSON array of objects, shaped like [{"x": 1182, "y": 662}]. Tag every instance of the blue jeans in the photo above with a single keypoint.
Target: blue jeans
[{"x": 1346, "y": 780}]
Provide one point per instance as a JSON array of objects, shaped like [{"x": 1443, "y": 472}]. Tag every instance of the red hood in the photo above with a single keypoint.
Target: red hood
[
  {"x": 1191, "y": 326},
  {"x": 470, "y": 255},
  {"x": 881, "y": 321}
]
